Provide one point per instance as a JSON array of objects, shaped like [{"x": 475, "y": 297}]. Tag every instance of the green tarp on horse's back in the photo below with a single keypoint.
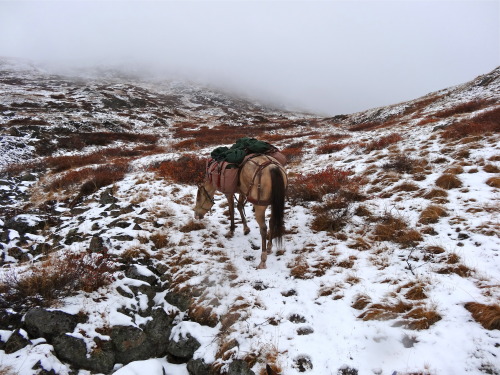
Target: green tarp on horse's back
[{"x": 240, "y": 149}]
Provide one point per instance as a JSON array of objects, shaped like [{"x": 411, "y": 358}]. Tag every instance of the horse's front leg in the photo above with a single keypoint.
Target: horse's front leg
[
  {"x": 260, "y": 216},
  {"x": 230, "y": 200},
  {"x": 241, "y": 207}
]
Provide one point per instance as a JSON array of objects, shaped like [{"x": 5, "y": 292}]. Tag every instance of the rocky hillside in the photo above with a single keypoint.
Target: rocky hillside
[{"x": 390, "y": 262}]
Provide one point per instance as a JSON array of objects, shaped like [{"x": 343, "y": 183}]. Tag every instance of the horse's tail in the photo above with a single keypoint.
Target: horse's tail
[{"x": 277, "y": 205}]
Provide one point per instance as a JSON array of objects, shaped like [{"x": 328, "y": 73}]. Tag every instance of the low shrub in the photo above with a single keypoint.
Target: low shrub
[
  {"x": 332, "y": 215},
  {"x": 58, "y": 277},
  {"x": 314, "y": 186},
  {"x": 330, "y": 148},
  {"x": 400, "y": 163},
  {"x": 90, "y": 178},
  {"x": 468, "y": 107},
  {"x": 383, "y": 142},
  {"x": 294, "y": 152},
  {"x": 485, "y": 122},
  {"x": 188, "y": 169}
]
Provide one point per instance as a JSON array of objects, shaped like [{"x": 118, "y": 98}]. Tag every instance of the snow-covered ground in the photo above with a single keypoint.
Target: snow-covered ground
[{"x": 302, "y": 314}]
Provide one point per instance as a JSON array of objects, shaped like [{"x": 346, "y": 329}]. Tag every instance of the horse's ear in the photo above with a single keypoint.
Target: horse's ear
[{"x": 270, "y": 371}]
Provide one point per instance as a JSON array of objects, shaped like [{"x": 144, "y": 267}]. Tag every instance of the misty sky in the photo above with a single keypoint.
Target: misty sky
[{"x": 329, "y": 57}]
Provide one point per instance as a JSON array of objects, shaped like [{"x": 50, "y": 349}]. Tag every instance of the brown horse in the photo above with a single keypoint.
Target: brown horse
[{"x": 262, "y": 182}]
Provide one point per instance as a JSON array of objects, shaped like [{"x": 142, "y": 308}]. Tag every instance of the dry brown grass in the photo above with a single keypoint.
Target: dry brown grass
[
  {"x": 490, "y": 168},
  {"x": 299, "y": 269},
  {"x": 421, "y": 318},
  {"x": 436, "y": 193},
  {"x": 361, "y": 301},
  {"x": 448, "y": 181},
  {"x": 160, "y": 240},
  {"x": 493, "y": 182},
  {"x": 431, "y": 214},
  {"x": 388, "y": 311},
  {"x": 406, "y": 186},
  {"x": 395, "y": 229},
  {"x": 192, "y": 226},
  {"x": 416, "y": 292},
  {"x": 486, "y": 315}
]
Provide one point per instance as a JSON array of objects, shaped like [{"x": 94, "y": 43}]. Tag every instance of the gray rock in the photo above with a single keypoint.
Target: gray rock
[
  {"x": 123, "y": 237},
  {"x": 9, "y": 319},
  {"x": 107, "y": 197},
  {"x": 158, "y": 331},
  {"x": 130, "y": 344},
  {"x": 179, "y": 300},
  {"x": 197, "y": 367},
  {"x": 22, "y": 224},
  {"x": 96, "y": 244},
  {"x": 39, "y": 322},
  {"x": 16, "y": 342},
  {"x": 74, "y": 351},
  {"x": 73, "y": 237},
  {"x": 184, "y": 348},
  {"x": 239, "y": 367},
  {"x": 134, "y": 273},
  {"x": 28, "y": 177}
]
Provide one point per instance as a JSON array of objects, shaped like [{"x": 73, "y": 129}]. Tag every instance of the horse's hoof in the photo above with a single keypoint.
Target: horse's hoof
[
  {"x": 269, "y": 251},
  {"x": 229, "y": 235},
  {"x": 246, "y": 231},
  {"x": 261, "y": 266}
]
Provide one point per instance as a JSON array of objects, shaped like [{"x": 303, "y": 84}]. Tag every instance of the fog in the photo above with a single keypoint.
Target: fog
[{"x": 328, "y": 57}]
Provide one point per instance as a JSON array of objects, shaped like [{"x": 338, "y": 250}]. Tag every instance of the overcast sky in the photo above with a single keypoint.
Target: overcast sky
[{"x": 329, "y": 57}]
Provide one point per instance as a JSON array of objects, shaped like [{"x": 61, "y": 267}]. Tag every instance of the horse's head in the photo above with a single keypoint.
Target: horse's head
[{"x": 204, "y": 200}]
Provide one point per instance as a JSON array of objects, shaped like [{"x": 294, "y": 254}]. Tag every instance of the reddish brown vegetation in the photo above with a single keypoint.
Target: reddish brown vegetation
[
  {"x": 471, "y": 106},
  {"x": 383, "y": 142},
  {"x": 294, "y": 152},
  {"x": 92, "y": 179},
  {"x": 188, "y": 169},
  {"x": 483, "y": 123},
  {"x": 58, "y": 277},
  {"x": 330, "y": 148},
  {"x": 313, "y": 186},
  {"x": 81, "y": 140}
]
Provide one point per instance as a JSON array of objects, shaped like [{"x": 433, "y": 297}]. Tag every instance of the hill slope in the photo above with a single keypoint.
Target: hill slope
[{"x": 390, "y": 261}]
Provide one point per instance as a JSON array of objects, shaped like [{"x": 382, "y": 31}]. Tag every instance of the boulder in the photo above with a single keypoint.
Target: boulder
[
  {"x": 179, "y": 300},
  {"x": 141, "y": 273},
  {"x": 16, "y": 342},
  {"x": 184, "y": 348},
  {"x": 96, "y": 244},
  {"x": 25, "y": 224},
  {"x": 107, "y": 197},
  {"x": 39, "y": 322},
  {"x": 197, "y": 367},
  {"x": 239, "y": 367},
  {"x": 130, "y": 344},
  {"x": 158, "y": 331},
  {"x": 74, "y": 351}
]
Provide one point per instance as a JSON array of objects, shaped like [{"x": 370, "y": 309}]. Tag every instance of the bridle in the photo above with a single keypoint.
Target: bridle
[{"x": 210, "y": 199}]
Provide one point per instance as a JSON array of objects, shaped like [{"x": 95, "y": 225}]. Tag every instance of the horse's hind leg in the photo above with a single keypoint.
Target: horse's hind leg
[
  {"x": 270, "y": 238},
  {"x": 230, "y": 200},
  {"x": 241, "y": 206},
  {"x": 260, "y": 216}
]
